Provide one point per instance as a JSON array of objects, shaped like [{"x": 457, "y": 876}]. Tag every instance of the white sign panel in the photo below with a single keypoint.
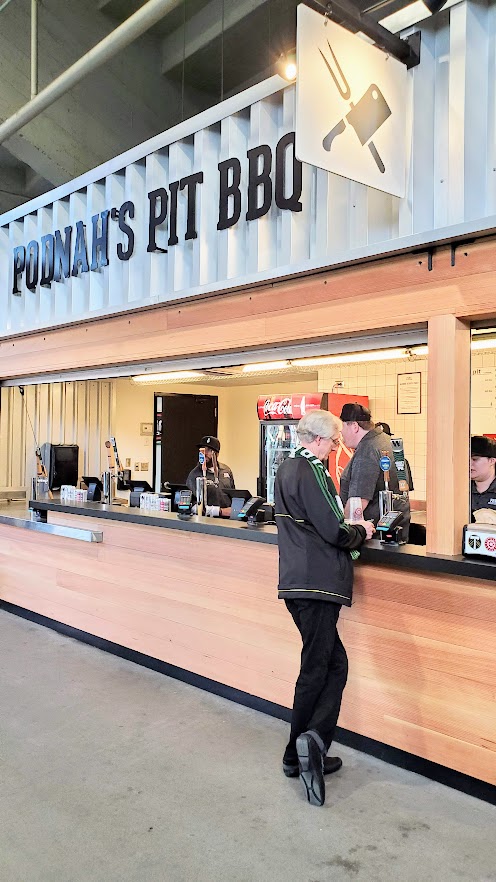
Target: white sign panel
[{"x": 350, "y": 105}]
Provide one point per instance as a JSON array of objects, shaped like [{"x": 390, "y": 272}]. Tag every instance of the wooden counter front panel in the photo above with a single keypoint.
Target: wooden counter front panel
[{"x": 422, "y": 648}]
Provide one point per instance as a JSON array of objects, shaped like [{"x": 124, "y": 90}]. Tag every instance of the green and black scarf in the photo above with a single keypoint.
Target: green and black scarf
[{"x": 322, "y": 477}]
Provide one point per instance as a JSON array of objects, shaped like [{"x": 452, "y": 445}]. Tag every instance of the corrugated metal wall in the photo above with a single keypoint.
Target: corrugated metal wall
[
  {"x": 451, "y": 180},
  {"x": 63, "y": 413}
]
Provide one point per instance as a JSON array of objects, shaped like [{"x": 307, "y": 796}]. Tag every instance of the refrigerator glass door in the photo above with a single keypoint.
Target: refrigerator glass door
[{"x": 280, "y": 440}]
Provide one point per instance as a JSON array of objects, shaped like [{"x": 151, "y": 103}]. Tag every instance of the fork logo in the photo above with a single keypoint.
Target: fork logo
[
  {"x": 352, "y": 110},
  {"x": 365, "y": 118}
]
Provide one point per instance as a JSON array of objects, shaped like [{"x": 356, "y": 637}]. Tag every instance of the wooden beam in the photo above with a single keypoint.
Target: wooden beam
[{"x": 448, "y": 433}]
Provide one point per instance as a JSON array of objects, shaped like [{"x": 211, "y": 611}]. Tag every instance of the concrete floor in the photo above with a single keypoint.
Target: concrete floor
[{"x": 115, "y": 773}]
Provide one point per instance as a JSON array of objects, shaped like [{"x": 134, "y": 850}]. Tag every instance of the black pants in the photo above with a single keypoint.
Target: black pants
[{"x": 323, "y": 672}]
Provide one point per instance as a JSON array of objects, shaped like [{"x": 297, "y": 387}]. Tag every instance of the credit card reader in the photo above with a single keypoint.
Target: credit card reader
[
  {"x": 389, "y": 529},
  {"x": 184, "y": 505},
  {"x": 251, "y": 512}
]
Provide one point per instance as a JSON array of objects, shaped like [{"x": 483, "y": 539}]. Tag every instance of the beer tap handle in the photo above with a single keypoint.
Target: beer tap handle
[
  {"x": 202, "y": 459},
  {"x": 110, "y": 456}
]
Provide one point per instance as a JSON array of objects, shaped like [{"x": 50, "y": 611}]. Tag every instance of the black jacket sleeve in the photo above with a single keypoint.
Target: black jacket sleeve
[{"x": 322, "y": 511}]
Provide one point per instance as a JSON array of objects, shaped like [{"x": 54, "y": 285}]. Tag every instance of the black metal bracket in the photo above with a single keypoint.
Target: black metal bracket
[
  {"x": 460, "y": 244},
  {"x": 345, "y": 13},
  {"x": 430, "y": 253}
]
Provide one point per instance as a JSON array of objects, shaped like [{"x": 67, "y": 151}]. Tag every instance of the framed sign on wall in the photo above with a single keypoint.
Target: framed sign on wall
[{"x": 409, "y": 393}]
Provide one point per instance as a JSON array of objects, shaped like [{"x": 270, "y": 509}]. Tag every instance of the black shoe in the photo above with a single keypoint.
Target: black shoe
[
  {"x": 311, "y": 763},
  {"x": 331, "y": 764}
]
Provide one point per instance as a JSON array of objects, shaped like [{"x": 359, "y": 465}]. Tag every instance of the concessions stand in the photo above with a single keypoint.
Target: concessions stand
[{"x": 130, "y": 270}]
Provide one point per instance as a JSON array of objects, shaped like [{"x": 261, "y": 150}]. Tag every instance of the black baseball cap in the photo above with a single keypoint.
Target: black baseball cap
[
  {"x": 355, "y": 413},
  {"x": 210, "y": 441},
  {"x": 482, "y": 446},
  {"x": 385, "y": 427}
]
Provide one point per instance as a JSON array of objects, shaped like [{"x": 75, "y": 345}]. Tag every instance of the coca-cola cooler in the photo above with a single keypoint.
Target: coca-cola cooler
[{"x": 279, "y": 415}]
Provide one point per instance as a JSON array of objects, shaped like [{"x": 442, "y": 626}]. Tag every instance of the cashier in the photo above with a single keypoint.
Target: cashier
[
  {"x": 482, "y": 474},
  {"x": 363, "y": 476},
  {"x": 219, "y": 476}
]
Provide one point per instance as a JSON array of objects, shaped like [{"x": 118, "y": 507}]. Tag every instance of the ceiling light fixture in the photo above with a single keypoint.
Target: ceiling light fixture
[
  {"x": 355, "y": 357},
  {"x": 286, "y": 66},
  {"x": 168, "y": 377},
  {"x": 266, "y": 366},
  {"x": 412, "y": 14},
  {"x": 290, "y": 70},
  {"x": 483, "y": 344}
]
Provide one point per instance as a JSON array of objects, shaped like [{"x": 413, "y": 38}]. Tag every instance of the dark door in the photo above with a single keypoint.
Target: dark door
[{"x": 185, "y": 419}]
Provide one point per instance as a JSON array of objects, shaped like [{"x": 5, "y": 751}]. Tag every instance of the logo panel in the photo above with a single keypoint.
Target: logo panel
[{"x": 350, "y": 105}]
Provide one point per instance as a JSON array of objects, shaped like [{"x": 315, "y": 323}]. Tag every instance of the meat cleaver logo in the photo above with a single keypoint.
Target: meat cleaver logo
[
  {"x": 351, "y": 105},
  {"x": 365, "y": 117}
]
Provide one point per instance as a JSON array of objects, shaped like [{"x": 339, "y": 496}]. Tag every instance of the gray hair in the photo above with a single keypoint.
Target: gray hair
[{"x": 318, "y": 423}]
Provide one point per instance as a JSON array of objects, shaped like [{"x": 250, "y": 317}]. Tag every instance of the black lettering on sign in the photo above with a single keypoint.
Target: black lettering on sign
[
  {"x": 32, "y": 255},
  {"x": 19, "y": 264},
  {"x": 99, "y": 243},
  {"x": 62, "y": 254},
  {"x": 259, "y": 178},
  {"x": 228, "y": 191},
  {"x": 292, "y": 201},
  {"x": 159, "y": 195},
  {"x": 47, "y": 256},
  {"x": 174, "y": 187},
  {"x": 190, "y": 183},
  {"x": 80, "y": 252},
  {"x": 127, "y": 208}
]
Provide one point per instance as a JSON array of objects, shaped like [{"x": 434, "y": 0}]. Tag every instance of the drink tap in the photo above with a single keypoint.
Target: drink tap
[{"x": 201, "y": 483}]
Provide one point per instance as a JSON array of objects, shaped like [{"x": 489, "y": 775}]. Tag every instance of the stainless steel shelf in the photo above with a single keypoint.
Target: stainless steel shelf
[{"x": 54, "y": 529}]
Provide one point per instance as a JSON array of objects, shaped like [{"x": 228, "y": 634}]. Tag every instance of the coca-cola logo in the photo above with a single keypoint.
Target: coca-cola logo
[{"x": 274, "y": 408}]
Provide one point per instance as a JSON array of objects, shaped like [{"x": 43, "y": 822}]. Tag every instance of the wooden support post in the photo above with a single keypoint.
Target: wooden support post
[{"x": 448, "y": 433}]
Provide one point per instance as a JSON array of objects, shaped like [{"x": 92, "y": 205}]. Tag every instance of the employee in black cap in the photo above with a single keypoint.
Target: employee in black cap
[
  {"x": 363, "y": 476},
  {"x": 482, "y": 473},
  {"x": 408, "y": 472},
  {"x": 219, "y": 476}
]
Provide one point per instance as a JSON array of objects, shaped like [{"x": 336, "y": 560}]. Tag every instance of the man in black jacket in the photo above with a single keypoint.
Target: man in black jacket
[{"x": 316, "y": 548}]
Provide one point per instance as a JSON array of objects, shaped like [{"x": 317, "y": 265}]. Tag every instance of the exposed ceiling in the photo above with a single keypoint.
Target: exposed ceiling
[{"x": 201, "y": 51}]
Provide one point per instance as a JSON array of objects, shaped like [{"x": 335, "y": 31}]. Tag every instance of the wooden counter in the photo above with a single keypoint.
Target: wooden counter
[{"x": 422, "y": 645}]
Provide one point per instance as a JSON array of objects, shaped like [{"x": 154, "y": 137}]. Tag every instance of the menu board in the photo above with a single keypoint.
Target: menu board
[
  {"x": 409, "y": 393},
  {"x": 483, "y": 401},
  {"x": 484, "y": 387}
]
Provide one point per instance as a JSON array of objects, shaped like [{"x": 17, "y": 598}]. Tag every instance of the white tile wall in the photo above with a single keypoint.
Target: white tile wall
[{"x": 378, "y": 380}]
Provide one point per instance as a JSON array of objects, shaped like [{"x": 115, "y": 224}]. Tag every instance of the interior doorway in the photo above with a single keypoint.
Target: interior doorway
[{"x": 180, "y": 422}]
